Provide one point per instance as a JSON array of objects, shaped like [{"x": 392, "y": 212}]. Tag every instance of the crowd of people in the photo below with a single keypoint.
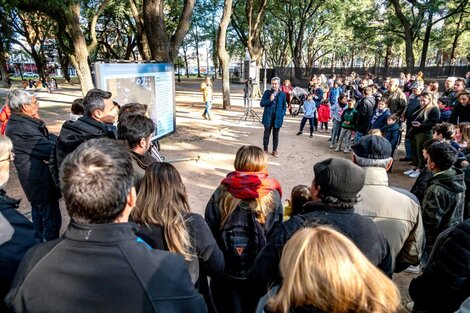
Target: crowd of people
[{"x": 134, "y": 245}]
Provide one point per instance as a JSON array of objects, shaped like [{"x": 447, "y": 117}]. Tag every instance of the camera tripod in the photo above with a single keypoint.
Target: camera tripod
[{"x": 249, "y": 112}]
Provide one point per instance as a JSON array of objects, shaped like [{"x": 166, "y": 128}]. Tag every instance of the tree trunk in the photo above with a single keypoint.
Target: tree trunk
[
  {"x": 5, "y": 79},
  {"x": 80, "y": 55},
  {"x": 388, "y": 52},
  {"x": 333, "y": 63},
  {"x": 162, "y": 48},
  {"x": 185, "y": 55},
  {"x": 456, "y": 40},
  {"x": 198, "y": 59},
  {"x": 223, "y": 54},
  {"x": 141, "y": 36},
  {"x": 427, "y": 37}
]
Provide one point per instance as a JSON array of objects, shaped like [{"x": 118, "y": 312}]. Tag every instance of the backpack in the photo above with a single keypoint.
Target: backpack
[{"x": 242, "y": 238}]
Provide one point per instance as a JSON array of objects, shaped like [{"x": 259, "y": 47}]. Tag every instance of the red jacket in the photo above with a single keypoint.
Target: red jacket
[
  {"x": 4, "y": 117},
  {"x": 324, "y": 114}
]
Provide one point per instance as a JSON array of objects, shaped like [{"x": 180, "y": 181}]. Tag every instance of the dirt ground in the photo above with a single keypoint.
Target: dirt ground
[{"x": 215, "y": 143}]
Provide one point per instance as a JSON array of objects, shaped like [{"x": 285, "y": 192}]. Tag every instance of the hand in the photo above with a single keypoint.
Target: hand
[
  {"x": 415, "y": 124},
  {"x": 272, "y": 97}
]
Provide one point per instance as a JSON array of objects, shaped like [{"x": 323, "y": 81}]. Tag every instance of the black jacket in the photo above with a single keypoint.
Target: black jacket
[
  {"x": 365, "y": 112},
  {"x": 72, "y": 134},
  {"x": 32, "y": 146},
  {"x": 17, "y": 236},
  {"x": 426, "y": 125},
  {"x": 203, "y": 245},
  {"x": 445, "y": 282},
  {"x": 460, "y": 114},
  {"x": 361, "y": 230},
  {"x": 102, "y": 268}
]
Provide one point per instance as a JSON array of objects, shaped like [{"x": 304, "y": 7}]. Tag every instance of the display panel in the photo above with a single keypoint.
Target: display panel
[{"x": 147, "y": 83}]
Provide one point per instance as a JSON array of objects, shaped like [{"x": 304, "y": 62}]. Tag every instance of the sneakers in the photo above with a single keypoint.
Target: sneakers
[
  {"x": 338, "y": 148},
  {"x": 415, "y": 174},
  {"x": 299, "y": 133},
  {"x": 413, "y": 269},
  {"x": 332, "y": 146},
  {"x": 204, "y": 116},
  {"x": 410, "y": 171},
  {"x": 266, "y": 150},
  {"x": 275, "y": 154},
  {"x": 311, "y": 136},
  {"x": 347, "y": 150}
]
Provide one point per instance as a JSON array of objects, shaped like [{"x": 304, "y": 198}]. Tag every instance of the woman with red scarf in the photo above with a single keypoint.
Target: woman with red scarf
[{"x": 247, "y": 189}]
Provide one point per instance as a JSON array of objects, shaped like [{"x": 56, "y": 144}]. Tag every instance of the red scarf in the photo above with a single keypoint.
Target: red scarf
[{"x": 250, "y": 185}]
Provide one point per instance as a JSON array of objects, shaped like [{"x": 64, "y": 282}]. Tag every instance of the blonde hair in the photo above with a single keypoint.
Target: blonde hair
[
  {"x": 162, "y": 200},
  {"x": 324, "y": 269},
  {"x": 432, "y": 104},
  {"x": 247, "y": 159},
  {"x": 375, "y": 131}
]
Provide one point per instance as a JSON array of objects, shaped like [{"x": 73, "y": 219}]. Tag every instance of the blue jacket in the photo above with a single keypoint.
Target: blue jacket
[
  {"x": 392, "y": 134},
  {"x": 309, "y": 109},
  {"x": 318, "y": 98},
  {"x": 381, "y": 120},
  {"x": 277, "y": 106},
  {"x": 334, "y": 95}
]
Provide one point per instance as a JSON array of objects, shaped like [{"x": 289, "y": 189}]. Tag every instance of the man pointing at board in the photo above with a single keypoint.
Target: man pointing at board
[{"x": 274, "y": 104}]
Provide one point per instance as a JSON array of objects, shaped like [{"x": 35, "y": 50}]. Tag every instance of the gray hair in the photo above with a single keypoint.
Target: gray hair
[
  {"x": 17, "y": 98},
  {"x": 276, "y": 78},
  {"x": 365, "y": 162},
  {"x": 395, "y": 81},
  {"x": 94, "y": 100}
]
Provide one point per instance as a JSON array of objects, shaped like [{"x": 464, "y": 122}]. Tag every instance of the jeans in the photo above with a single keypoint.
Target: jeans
[
  {"x": 47, "y": 219},
  {"x": 358, "y": 136},
  {"x": 408, "y": 148},
  {"x": 208, "y": 108},
  {"x": 335, "y": 132},
  {"x": 324, "y": 124},
  {"x": 304, "y": 121},
  {"x": 346, "y": 137},
  {"x": 267, "y": 133}
]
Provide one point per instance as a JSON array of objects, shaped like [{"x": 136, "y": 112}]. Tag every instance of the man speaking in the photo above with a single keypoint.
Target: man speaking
[{"x": 274, "y": 104}]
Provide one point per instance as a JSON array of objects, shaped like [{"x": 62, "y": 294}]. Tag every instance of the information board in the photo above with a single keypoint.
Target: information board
[{"x": 147, "y": 83}]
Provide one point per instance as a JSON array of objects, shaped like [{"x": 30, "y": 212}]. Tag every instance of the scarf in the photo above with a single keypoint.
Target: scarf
[
  {"x": 377, "y": 114},
  {"x": 250, "y": 185}
]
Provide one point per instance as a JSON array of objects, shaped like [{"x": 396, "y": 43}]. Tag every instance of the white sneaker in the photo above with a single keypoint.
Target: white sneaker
[
  {"x": 410, "y": 171},
  {"x": 338, "y": 148},
  {"x": 413, "y": 269},
  {"x": 415, "y": 174},
  {"x": 332, "y": 146}
]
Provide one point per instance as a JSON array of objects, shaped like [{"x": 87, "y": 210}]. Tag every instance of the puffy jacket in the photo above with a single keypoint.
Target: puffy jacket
[
  {"x": 445, "y": 281},
  {"x": 72, "y": 134},
  {"x": 392, "y": 134},
  {"x": 443, "y": 203},
  {"x": 445, "y": 114},
  {"x": 349, "y": 115},
  {"x": 32, "y": 146},
  {"x": 4, "y": 117},
  {"x": 365, "y": 111},
  {"x": 102, "y": 268},
  {"x": 16, "y": 237},
  {"x": 396, "y": 215},
  {"x": 333, "y": 95},
  {"x": 324, "y": 113},
  {"x": 275, "y": 108},
  {"x": 361, "y": 230}
]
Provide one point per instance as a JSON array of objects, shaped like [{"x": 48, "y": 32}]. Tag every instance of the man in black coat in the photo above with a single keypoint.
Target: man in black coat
[
  {"x": 17, "y": 233},
  {"x": 99, "y": 111},
  {"x": 100, "y": 265},
  {"x": 32, "y": 145},
  {"x": 334, "y": 189},
  {"x": 365, "y": 112}
]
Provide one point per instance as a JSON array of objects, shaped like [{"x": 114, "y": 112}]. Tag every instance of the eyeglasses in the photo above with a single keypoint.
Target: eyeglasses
[{"x": 11, "y": 157}]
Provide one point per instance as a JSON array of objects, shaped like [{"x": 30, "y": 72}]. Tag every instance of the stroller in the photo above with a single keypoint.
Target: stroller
[{"x": 298, "y": 97}]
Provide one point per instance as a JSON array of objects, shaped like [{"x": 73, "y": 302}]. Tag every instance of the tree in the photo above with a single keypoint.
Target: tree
[
  {"x": 222, "y": 53},
  {"x": 164, "y": 47}
]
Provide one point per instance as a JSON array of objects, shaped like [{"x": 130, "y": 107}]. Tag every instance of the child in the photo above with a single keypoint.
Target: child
[
  {"x": 77, "y": 109},
  {"x": 421, "y": 183},
  {"x": 300, "y": 195},
  {"x": 336, "y": 113},
  {"x": 446, "y": 110},
  {"x": 391, "y": 132},
  {"x": 381, "y": 114},
  {"x": 375, "y": 132},
  {"x": 324, "y": 115},
  {"x": 462, "y": 135},
  {"x": 348, "y": 124},
  {"x": 444, "y": 200},
  {"x": 309, "y": 113}
]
